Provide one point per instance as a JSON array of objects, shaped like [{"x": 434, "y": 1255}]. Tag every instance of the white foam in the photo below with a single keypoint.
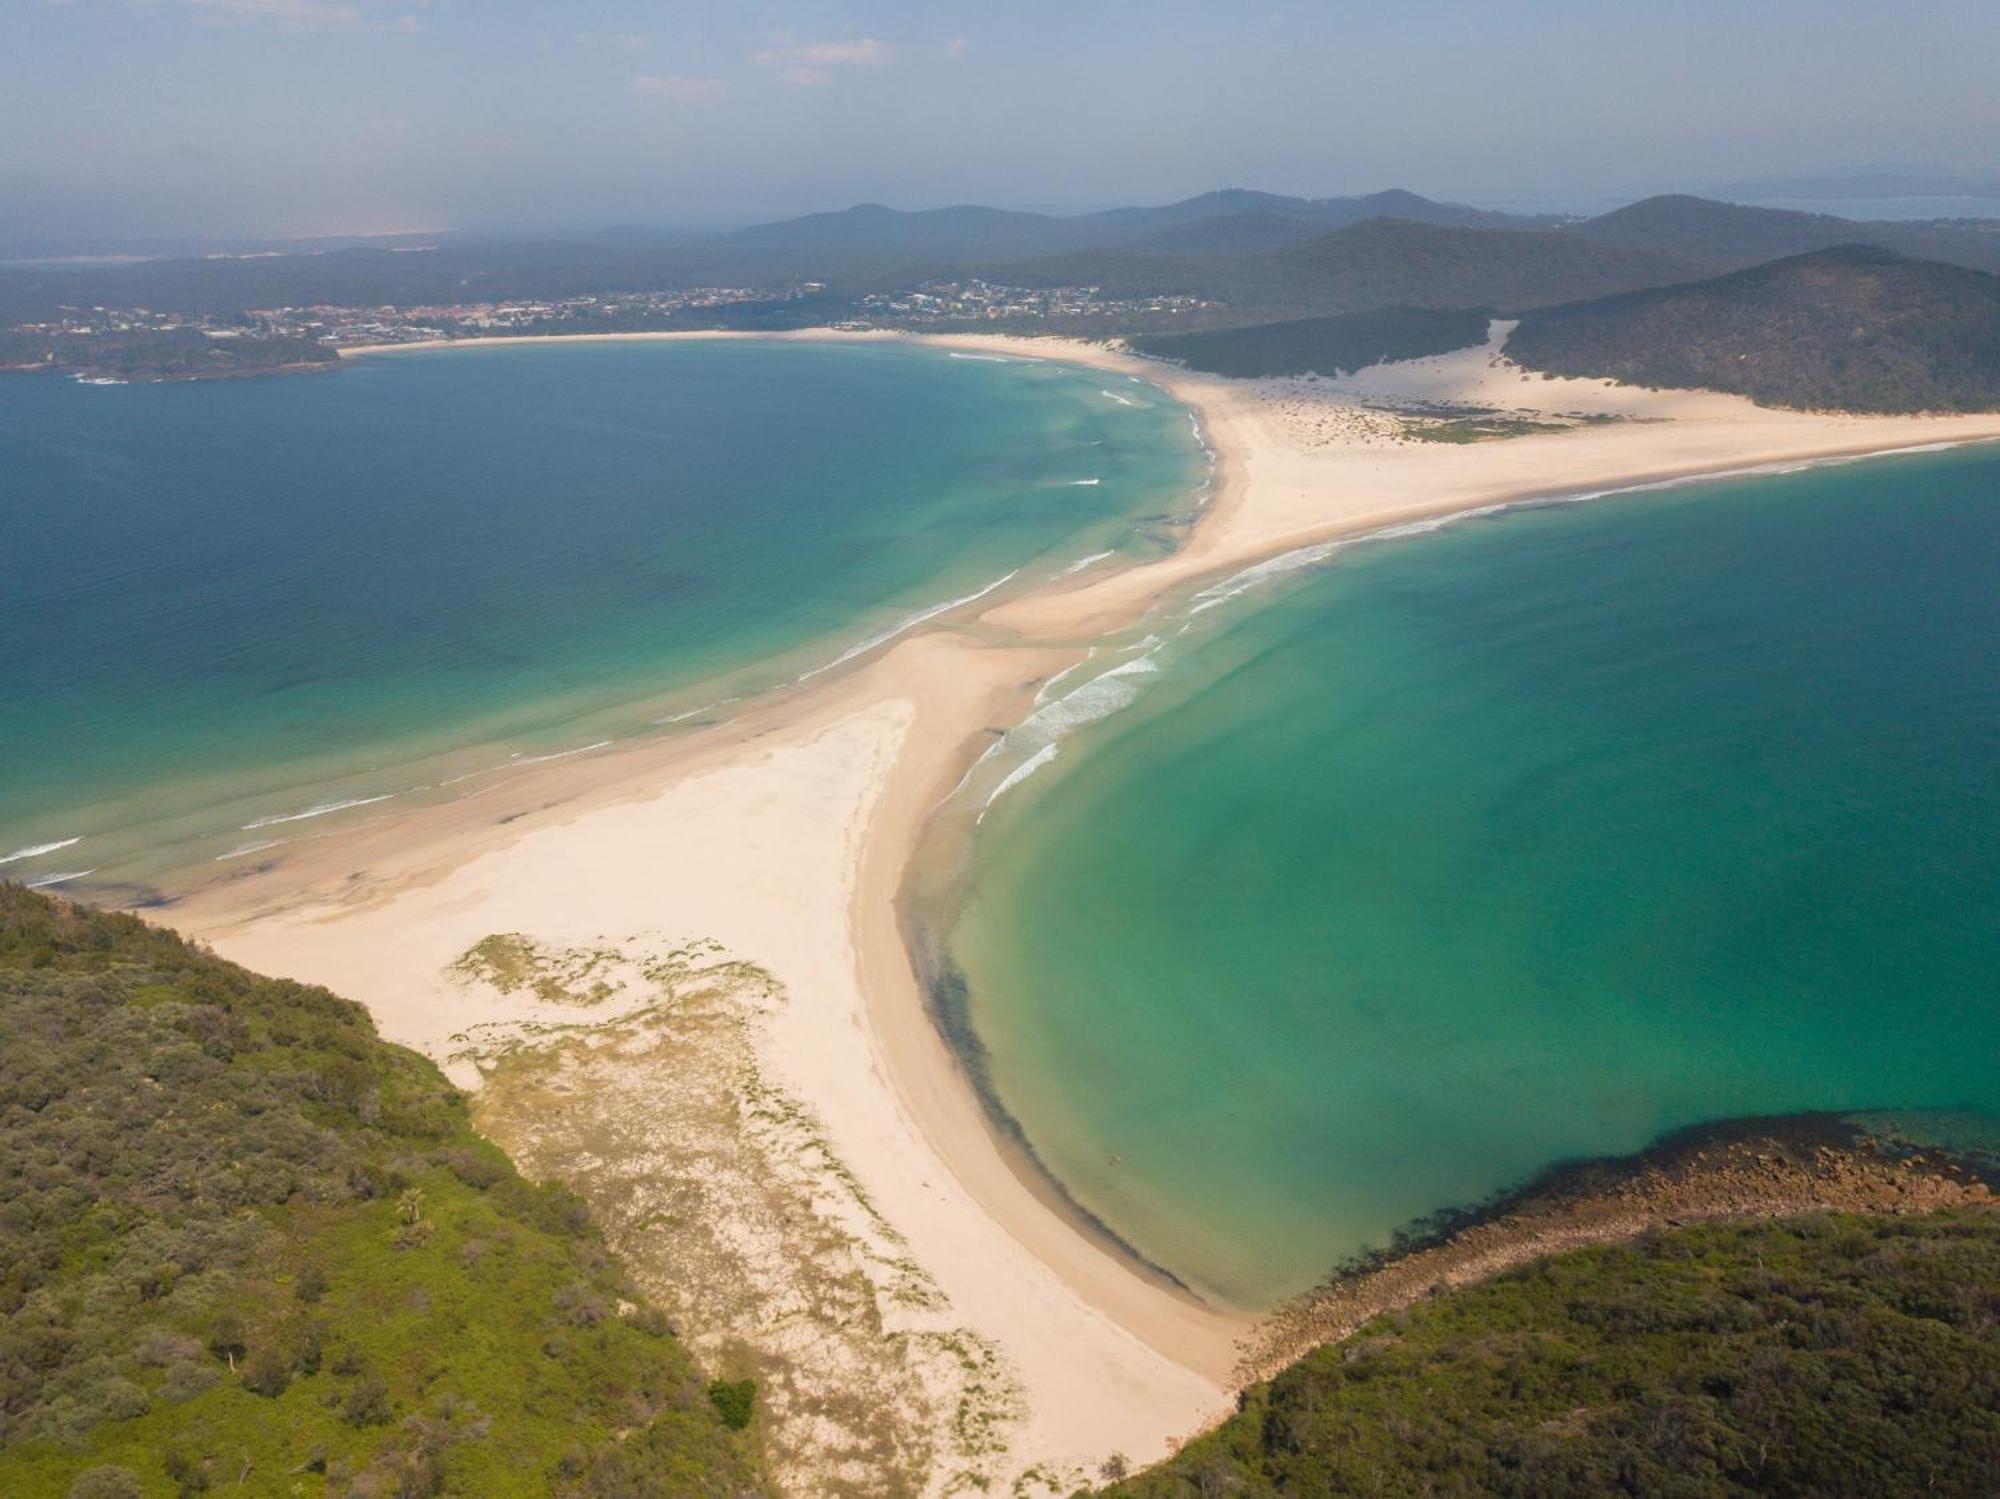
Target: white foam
[
  {"x": 883, "y": 637},
  {"x": 1037, "y": 738},
  {"x": 985, "y": 358},
  {"x": 1082, "y": 562},
  {"x": 1084, "y": 483},
  {"x": 971, "y": 770},
  {"x": 59, "y": 879},
  {"x": 35, "y": 849},
  {"x": 1048, "y": 688},
  {"x": 1019, "y": 774},
  {"x": 1039, "y": 735},
  {"x": 1121, "y": 400},
  {"x": 582, "y": 749},
  {"x": 319, "y": 811},
  {"x": 1100, "y": 697},
  {"x": 249, "y": 848},
  {"x": 1262, "y": 572}
]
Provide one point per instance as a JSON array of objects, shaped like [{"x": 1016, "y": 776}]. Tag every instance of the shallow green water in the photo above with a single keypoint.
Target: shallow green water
[
  {"x": 226, "y": 604},
  {"x": 1525, "y": 840}
]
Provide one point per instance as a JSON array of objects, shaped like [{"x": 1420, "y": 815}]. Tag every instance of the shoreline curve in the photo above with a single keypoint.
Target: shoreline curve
[{"x": 1111, "y": 1357}]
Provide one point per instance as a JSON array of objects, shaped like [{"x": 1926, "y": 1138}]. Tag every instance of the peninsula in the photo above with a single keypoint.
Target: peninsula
[{"x": 782, "y": 835}]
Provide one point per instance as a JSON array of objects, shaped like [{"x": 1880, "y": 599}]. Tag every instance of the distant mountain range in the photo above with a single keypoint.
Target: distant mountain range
[
  {"x": 1730, "y": 236},
  {"x": 1248, "y": 258},
  {"x": 1233, "y": 219},
  {"x": 1377, "y": 262},
  {"x": 1262, "y": 255}
]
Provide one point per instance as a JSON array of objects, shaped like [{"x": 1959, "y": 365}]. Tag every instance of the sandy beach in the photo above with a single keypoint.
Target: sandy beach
[{"x": 784, "y": 834}]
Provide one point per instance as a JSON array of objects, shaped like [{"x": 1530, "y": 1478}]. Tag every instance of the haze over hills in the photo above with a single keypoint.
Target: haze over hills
[
  {"x": 1865, "y": 184},
  {"x": 1900, "y": 192},
  {"x": 1229, "y": 259},
  {"x": 1221, "y": 243},
  {"x": 1730, "y": 236}
]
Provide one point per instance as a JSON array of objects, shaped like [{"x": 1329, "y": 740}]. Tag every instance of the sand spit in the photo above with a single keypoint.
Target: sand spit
[{"x": 784, "y": 833}]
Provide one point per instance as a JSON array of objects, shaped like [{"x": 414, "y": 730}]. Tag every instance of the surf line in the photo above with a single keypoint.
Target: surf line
[
  {"x": 319, "y": 811},
  {"x": 35, "y": 849},
  {"x": 883, "y": 637}
]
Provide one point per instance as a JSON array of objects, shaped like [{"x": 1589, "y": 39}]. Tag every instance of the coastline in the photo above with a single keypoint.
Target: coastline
[
  {"x": 786, "y": 833},
  {"x": 1759, "y": 1167}
]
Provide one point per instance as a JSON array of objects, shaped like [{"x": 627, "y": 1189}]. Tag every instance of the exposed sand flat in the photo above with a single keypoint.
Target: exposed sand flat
[{"x": 784, "y": 834}]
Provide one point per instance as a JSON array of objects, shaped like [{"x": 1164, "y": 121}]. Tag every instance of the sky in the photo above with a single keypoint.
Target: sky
[{"x": 217, "y": 118}]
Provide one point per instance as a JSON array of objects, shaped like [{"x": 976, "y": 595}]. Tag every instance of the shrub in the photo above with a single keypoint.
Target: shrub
[
  {"x": 187, "y": 1379},
  {"x": 367, "y": 1403},
  {"x": 734, "y": 1400},
  {"x": 226, "y": 1339},
  {"x": 267, "y": 1372}
]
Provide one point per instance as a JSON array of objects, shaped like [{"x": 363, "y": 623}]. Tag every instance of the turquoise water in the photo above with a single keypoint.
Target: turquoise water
[
  {"x": 1529, "y": 839},
  {"x": 231, "y": 602}
]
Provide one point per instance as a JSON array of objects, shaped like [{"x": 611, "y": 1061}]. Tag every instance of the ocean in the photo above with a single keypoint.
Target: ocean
[
  {"x": 237, "y": 614},
  {"x": 1394, "y": 880}
]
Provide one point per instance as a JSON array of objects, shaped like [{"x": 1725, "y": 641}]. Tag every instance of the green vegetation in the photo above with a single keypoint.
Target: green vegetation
[
  {"x": 1368, "y": 266},
  {"x": 245, "y": 1245},
  {"x": 1827, "y": 1356},
  {"x": 734, "y": 1400},
  {"x": 1321, "y": 346},
  {"x": 510, "y": 962},
  {"x": 161, "y": 354},
  {"x": 1853, "y": 329},
  {"x": 1462, "y": 424}
]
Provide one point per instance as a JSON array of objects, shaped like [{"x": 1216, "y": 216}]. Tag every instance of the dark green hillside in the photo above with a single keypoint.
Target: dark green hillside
[
  {"x": 1325, "y": 346},
  {"x": 1832, "y": 1357},
  {"x": 1854, "y": 329},
  {"x": 1368, "y": 266},
  {"x": 1392, "y": 263},
  {"x": 248, "y": 1247}
]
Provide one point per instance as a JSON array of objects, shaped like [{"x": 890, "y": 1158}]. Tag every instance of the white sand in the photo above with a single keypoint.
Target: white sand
[{"x": 785, "y": 833}]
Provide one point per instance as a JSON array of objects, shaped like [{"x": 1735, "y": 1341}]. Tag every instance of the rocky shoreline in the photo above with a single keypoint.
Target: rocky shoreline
[{"x": 1749, "y": 1168}]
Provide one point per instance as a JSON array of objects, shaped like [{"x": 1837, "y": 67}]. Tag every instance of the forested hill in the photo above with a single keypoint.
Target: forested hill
[
  {"x": 1322, "y": 346},
  {"x": 1833, "y": 1357},
  {"x": 248, "y": 1247},
  {"x": 1376, "y": 264},
  {"x": 1853, "y": 328}
]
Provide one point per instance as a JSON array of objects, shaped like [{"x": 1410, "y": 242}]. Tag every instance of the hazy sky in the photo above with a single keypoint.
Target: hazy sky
[{"x": 322, "y": 116}]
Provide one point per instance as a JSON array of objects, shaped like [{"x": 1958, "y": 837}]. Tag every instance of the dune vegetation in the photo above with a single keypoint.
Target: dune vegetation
[{"x": 247, "y": 1246}]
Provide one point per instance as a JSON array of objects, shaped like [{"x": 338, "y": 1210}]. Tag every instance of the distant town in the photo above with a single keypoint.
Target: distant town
[{"x": 111, "y": 343}]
